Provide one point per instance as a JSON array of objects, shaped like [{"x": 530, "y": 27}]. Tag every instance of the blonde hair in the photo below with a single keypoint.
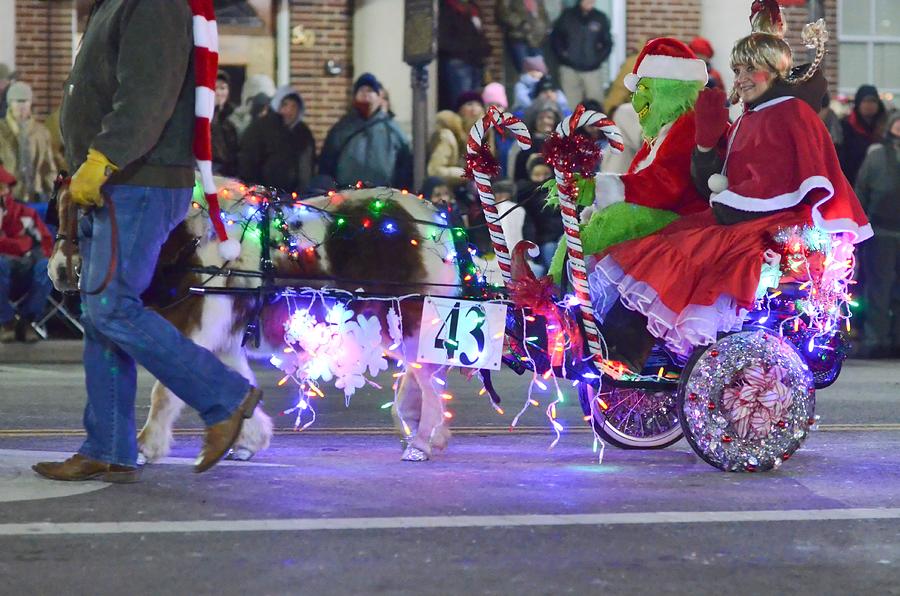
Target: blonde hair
[{"x": 764, "y": 50}]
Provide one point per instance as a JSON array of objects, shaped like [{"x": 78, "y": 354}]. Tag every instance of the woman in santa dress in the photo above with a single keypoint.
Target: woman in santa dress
[{"x": 698, "y": 276}]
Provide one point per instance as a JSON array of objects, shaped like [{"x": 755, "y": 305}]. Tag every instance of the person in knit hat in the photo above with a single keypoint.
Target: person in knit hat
[
  {"x": 26, "y": 147},
  {"x": 533, "y": 68},
  {"x": 861, "y": 127},
  {"x": 25, "y": 245},
  {"x": 366, "y": 144},
  {"x": 129, "y": 132}
]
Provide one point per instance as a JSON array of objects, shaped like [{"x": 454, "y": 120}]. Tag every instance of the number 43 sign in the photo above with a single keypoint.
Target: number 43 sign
[{"x": 462, "y": 333}]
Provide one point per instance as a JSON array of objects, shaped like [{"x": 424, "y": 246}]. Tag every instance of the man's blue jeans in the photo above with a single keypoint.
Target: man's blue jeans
[
  {"x": 33, "y": 278},
  {"x": 119, "y": 330},
  {"x": 456, "y": 76}
]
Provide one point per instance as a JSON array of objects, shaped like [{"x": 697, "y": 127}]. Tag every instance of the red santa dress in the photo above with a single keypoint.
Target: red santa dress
[
  {"x": 696, "y": 277},
  {"x": 660, "y": 174}
]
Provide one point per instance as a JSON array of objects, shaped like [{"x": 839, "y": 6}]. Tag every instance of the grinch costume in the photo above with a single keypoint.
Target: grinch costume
[
  {"x": 698, "y": 276},
  {"x": 657, "y": 188}
]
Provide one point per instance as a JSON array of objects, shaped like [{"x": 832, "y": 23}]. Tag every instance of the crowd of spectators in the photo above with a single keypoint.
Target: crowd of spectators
[{"x": 264, "y": 139}]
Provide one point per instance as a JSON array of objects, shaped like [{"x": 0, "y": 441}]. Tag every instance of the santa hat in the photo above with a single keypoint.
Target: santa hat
[
  {"x": 206, "y": 64},
  {"x": 667, "y": 58}
]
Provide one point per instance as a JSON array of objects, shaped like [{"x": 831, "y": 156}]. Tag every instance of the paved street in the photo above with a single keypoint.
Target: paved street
[{"x": 332, "y": 510}]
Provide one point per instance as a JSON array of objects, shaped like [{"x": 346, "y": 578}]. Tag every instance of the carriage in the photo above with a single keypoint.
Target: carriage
[{"x": 744, "y": 403}]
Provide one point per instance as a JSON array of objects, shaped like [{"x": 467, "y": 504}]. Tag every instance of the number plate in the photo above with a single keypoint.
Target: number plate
[{"x": 462, "y": 333}]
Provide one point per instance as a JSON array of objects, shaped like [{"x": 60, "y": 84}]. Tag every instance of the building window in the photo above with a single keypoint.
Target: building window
[{"x": 869, "y": 36}]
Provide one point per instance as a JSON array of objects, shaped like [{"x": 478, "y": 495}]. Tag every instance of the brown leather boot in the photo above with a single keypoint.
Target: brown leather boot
[
  {"x": 222, "y": 435},
  {"x": 27, "y": 332},
  {"x": 79, "y": 467}
]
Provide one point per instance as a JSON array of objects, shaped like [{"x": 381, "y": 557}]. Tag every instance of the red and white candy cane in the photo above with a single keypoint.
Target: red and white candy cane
[
  {"x": 504, "y": 122},
  {"x": 568, "y": 193}
]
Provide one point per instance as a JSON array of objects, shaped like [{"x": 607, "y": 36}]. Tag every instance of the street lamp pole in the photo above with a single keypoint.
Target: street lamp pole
[{"x": 419, "y": 50}]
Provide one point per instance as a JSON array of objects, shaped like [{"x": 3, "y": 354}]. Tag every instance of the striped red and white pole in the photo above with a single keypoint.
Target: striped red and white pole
[
  {"x": 568, "y": 192},
  {"x": 504, "y": 122}
]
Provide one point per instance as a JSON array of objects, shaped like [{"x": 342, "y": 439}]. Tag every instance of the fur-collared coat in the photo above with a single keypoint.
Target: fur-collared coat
[
  {"x": 445, "y": 151},
  {"x": 43, "y": 165}
]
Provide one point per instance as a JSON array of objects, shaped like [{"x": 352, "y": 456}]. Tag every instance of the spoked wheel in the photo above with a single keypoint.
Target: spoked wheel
[
  {"x": 746, "y": 403},
  {"x": 632, "y": 418}
]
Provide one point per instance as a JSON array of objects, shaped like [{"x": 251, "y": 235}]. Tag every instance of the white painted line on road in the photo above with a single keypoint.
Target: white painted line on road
[{"x": 461, "y": 521}]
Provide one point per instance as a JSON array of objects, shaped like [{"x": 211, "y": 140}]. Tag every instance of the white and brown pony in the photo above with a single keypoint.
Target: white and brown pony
[{"x": 403, "y": 262}]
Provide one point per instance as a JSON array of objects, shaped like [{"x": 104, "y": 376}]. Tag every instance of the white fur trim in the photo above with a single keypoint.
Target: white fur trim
[
  {"x": 668, "y": 67},
  {"x": 609, "y": 189},
  {"x": 772, "y": 102},
  {"x": 631, "y": 81},
  {"x": 206, "y": 34},
  {"x": 842, "y": 225},
  {"x": 783, "y": 201},
  {"x": 230, "y": 249},
  {"x": 654, "y": 147},
  {"x": 204, "y": 102}
]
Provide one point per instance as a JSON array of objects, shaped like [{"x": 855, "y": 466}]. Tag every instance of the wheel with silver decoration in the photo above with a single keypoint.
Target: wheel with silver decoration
[
  {"x": 631, "y": 417},
  {"x": 746, "y": 403}
]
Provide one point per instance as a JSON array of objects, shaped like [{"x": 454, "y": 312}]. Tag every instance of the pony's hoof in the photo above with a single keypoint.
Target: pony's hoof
[
  {"x": 239, "y": 454},
  {"x": 413, "y": 454},
  {"x": 141, "y": 459}
]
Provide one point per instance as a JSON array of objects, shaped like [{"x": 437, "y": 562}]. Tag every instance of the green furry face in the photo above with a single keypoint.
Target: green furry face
[{"x": 661, "y": 101}]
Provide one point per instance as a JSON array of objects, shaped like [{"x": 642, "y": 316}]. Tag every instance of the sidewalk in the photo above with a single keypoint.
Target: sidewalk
[{"x": 53, "y": 351}]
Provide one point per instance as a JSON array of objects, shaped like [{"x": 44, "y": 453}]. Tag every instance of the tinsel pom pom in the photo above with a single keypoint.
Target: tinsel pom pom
[
  {"x": 483, "y": 162},
  {"x": 575, "y": 154}
]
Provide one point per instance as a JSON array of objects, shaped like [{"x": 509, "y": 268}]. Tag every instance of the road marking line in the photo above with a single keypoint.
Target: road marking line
[
  {"x": 461, "y": 521},
  {"x": 464, "y": 430},
  {"x": 35, "y": 456}
]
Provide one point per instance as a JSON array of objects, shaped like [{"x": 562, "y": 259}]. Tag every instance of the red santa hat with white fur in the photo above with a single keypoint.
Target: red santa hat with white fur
[{"x": 667, "y": 58}]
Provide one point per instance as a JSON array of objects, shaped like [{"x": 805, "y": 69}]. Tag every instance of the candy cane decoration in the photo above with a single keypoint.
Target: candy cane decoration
[
  {"x": 565, "y": 184},
  {"x": 503, "y": 122}
]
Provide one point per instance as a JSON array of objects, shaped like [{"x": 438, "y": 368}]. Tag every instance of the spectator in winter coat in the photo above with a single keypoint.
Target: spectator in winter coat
[
  {"x": 436, "y": 191},
  {"x": 366, "y": 144},
  {"x": 541, "y": 118},
  {"x": 526, "y": 26},
  {"x": 224, "y": 134},
  {"x": 582, "y": 42},
  {"x": 462, "y": 49},
  {"x": 878, "y": 189},
  {"x": 543, "y": 224},
  {"x": 446, "y": 150},
  {"x": 533, "y": 69},
  {"x": 546, "y": 89},
  {"x": 832, "y": 122},
  {"x": 7, "y": 76},
  {"x": 25, "y": 147},
  {"x": 861, "y": 128},
  {"x": 278, "y": 149},
  {"x": 244, "y": 114},
  {"x": 25, "y": 245}
]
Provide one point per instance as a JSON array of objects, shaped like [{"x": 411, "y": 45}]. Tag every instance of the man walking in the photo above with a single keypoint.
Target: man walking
[{"x": 128, "y": 124}]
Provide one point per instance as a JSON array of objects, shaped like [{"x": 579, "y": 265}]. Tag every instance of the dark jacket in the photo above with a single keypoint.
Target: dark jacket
[
  {"x": 581, "y": 41},
  {"x": 878, "y": 184},
  {"x": 858, "y": 134},
  {"x": 543, "y": 224},
  {"x": 458, "y": 37},
  {"x": 372, "y": 150},
  {"x": 521, "y": 25},
  {"x": 130, "y": 93},
  {"x": 224, "y": 142},
  {"x": 274, "y": 155}
]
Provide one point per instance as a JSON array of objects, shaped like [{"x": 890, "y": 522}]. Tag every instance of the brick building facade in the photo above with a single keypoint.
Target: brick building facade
[{"x": 45, "y": 32}]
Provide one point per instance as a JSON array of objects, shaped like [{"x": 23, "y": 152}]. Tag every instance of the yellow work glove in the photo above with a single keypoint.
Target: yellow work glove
[{"x": 86, "y": 183}]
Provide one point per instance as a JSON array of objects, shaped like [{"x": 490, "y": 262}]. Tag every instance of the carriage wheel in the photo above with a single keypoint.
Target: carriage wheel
[
  {"x": 633, "y": 418},
  {"x": 746, "y": 403}
]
